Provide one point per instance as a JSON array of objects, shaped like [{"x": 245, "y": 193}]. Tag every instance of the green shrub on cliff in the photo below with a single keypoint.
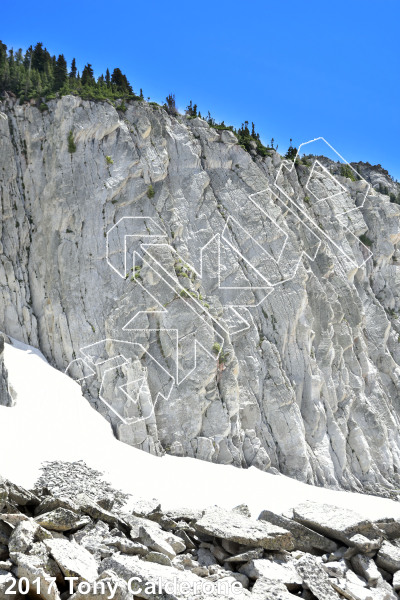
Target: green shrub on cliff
[{"x": 71, "y": 143}]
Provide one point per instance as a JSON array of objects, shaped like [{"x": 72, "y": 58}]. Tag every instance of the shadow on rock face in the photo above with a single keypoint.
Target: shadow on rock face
[{"x": 5, "y": 396}]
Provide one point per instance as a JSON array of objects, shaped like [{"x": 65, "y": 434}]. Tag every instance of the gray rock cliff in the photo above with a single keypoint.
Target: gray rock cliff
[
  {"x": 5, "y": 396},
  {"x": 212, "y": 303}
]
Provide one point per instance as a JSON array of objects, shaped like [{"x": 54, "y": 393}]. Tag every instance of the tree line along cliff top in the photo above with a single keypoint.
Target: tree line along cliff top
[{"x": 36, "y": 75}]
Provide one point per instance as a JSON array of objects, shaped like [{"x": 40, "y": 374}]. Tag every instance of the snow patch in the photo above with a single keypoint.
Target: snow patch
[{"x": 52, "y": 421}]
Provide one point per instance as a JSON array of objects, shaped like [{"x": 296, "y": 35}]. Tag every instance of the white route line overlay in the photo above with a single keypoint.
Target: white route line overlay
[
  {"x": 217, "y": 238},
  {"x": 289, "y": 166},
  {"x": 89, "y": 360}
]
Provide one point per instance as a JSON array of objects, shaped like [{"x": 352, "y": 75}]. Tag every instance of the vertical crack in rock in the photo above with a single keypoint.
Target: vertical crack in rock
[
  {"x": 5, "y": 396},
  {"x": 310, "y": 386}
]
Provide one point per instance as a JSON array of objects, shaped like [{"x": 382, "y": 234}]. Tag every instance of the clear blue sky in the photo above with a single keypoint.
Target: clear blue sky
[{"x": 298, "y": 69}]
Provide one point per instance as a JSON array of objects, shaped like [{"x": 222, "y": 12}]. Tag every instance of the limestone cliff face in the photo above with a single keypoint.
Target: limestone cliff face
[{"x": 221, "y": 303}]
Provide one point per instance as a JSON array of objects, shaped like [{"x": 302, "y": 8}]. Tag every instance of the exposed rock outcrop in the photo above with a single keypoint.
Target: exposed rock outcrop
[
  {"x": 273, "y": 345},
  {"x": 206, "y": 554},
  {"x": 5, "y": 397}
]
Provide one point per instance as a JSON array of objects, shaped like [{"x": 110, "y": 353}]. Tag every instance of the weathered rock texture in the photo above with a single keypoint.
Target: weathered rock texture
[
  {"x": 215, "y": 553},
  {"x": 5, "y": 397},
  {"x": 311, "y": 387}
]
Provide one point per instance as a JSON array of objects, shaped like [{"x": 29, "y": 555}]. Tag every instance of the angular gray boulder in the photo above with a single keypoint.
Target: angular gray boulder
[
  {"x": 267, "y": 589},
  {"x": 246, "y": 556},
  {"x": 234, "y": 527},
  {"x": 337, "y": 523},
  {"x": 106, "y": 586},
  {"x": 156, "y": 541},
  {"x": 315, "y": 578},
  {"x": 73, "y": 560},
  {"x": 366, "y": 567},
  {"x": 62, "y": 519},
  {"x": 304, "y": 538},
  {"x": 31, "y": 567},
  {"x": 222, "y": 555},
  {"x": 390, "y": 527},
  {"x": 388, "y": 557},
  {"x": 275, "y": 570},
  {"x": 9, "y": 582},
  {"x": 170, "y": 578},
  {"x": 24, "y": 535}
]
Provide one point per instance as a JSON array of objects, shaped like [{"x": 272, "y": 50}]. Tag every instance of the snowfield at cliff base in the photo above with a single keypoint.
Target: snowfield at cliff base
[{"x": 53, "y": 421}]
